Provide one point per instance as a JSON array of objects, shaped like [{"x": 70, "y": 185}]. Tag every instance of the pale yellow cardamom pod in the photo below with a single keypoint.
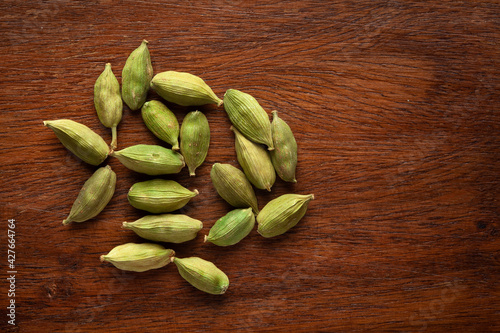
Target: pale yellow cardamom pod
[
  {"x": 282, "y": 213},
  {"x": 170, "y": 228},
  {"x": 159, "y": 195},
  {"x": 202, "y": 274},
  {"x": 139, "y": 257},
  {"x": 86, "y": 144},
  {"x": 184, "y": 89},
  {"x": 150, "y": 159}
]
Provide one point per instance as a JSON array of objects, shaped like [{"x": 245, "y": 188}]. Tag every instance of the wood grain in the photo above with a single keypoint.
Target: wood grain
[{"x": 394, "y": 105}]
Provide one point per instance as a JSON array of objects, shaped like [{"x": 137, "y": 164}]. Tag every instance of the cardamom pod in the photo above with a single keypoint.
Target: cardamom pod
[
  {"x": 195, "y": 139},
  {"x": 284, "y": 155},
  {"x": 86, "y": 144},
  {"x": 184, "y": 89},
  {"x": 255, "y": 161},
  {"x": 231, "y": 228},
  {"x": 108, "y": 101},
  {"x": 94, "y": 196},
  {"x": 159, "y": 195},
  {"x": 171, "y": 228},
  {"x": 150, "y": 159},
  {"x": 139, "y": 257},
  {"x": 202, "y": 274},
  {"x": 161, "y": 122},
  {"x": 246, "y": 114},
  {"x": 233, "y": 186},
  {"x": 282, "y": 213},
  {"x": 136, "y": 77}
]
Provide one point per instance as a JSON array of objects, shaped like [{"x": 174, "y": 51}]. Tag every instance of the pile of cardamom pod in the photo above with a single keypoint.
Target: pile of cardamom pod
[{"x": 253, "y": 132}]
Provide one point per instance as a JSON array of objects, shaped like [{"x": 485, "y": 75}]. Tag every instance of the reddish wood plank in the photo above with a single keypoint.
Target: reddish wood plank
[{"x": 395, "y": 110}]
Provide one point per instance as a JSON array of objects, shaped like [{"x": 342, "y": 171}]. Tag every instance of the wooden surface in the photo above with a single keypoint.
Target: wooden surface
[{"x": 395, "y": 108}]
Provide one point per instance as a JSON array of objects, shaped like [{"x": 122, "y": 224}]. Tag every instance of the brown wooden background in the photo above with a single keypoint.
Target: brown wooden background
[{"x": 395, "y": 108}]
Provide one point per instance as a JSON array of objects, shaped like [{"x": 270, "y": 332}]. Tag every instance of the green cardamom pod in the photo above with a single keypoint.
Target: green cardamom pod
[
  {"x": 284, "y": 155},
  {"x": 184, "y": 89},
  {"x": 150, "y": 159},
  {"x": 94, "y": 196},
  {"x": 159, "y": 195},
  {"x": 233, "y": 186},
  {"x": 170, "y": 228},
  {"x": 282, "y": 213},
  {"x": 195, "y": 139},
  {"x": 255, "y": 161},
  {"x": 161, "y": 122},
  {"x": 136, "y": 77},
  {"x": 246, "y": 114},
  {"x": 86, "y": 144},
  {"x": 139, "y": 257},
  {"x": 202, "y": 274},
  {"x": 232, "y": 228},
  {"x": 108, "y": 101}
]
